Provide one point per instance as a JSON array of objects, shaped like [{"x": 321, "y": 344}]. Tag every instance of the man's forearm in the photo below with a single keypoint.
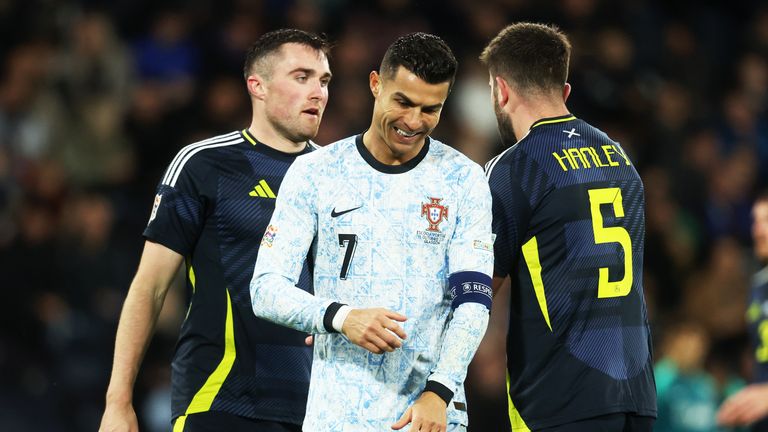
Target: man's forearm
[
  {"x": 137, "y": 322},
  {"x": 276, "y": 299},
  {"x": 462, "y": 337}
]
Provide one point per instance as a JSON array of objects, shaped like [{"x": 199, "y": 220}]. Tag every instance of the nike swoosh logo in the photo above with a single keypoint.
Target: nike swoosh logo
[{"x": 334, "y": 213}]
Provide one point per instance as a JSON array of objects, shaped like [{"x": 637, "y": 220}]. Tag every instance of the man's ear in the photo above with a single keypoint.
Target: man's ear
[
  {"x": 503, "y": 91},
  {"x": 374, "y": 82},
  {"x": 566, "y": 91},
  {"x": 256, "y": 86}
]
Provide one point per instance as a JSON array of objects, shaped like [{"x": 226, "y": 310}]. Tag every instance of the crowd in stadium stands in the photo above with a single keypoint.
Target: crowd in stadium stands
[{"x": 97, "y": 96}]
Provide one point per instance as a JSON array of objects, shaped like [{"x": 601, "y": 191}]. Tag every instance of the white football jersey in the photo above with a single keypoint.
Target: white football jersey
[{"x": 386, "y": 236}]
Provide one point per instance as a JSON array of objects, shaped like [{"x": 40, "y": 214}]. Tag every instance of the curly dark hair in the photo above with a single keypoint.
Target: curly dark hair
[{"x": 426, "y": 55}]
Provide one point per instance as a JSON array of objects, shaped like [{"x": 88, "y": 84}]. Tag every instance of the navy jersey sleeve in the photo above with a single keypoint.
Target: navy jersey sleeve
[
  {"x": 178, "y": 211},
  {"x": 511, "y": 213}
]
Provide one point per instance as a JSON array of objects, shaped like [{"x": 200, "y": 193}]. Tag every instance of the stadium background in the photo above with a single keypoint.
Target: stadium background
[{"x": 97, "y": 96}]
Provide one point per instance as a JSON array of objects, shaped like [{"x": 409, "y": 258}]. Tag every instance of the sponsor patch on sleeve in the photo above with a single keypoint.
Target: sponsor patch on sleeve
[
  {"x": 155, "y": 206},
  {"x": 481, "y": 245},
  {"x": 269, "y": 236}
]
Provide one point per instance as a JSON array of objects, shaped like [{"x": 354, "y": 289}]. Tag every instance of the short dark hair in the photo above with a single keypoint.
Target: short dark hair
[
  {"x": 269, "y": 43},
  {"x": 426, "y": 55},
  {"x": 533, "y": 57},
  {"x": 762, "y": 196}
]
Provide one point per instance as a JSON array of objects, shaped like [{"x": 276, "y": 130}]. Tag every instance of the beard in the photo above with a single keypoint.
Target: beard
[{"x": 506, "y": 130}]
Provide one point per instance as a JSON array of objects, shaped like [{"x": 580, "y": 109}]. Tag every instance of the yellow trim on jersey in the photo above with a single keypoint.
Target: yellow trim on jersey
[
  {"x": 515, "y": 420},
  {"x": 531, "y": 255},
  {"x": 203, "y": 400},
  {"x": 192, "y": 277},
  {"x": 178, "y": 426},
  {"x": 560, "y": 120},
  {"x": 248, "y": 137}
]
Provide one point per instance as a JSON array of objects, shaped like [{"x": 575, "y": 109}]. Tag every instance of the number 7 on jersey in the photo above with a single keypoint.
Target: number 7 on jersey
[{"x": 350, "y": 241}]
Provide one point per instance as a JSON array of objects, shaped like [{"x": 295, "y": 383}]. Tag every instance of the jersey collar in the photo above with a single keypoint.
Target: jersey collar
[
  {"x": 390, "y": 169},
  {"x": 265, "y": 148},
  {"x": 551, "y": 120}
]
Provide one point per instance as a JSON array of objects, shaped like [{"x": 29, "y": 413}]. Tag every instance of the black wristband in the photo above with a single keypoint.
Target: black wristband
[
  {"x": 330, "y": 313},
  {"x": 444, "y": 392}
]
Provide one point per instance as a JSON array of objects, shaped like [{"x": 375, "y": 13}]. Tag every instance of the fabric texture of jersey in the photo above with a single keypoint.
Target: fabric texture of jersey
[
  {"x": 387, "y": 236},
  {"x": 568, "y": 212},
  {"x": 212, "y": 206}
]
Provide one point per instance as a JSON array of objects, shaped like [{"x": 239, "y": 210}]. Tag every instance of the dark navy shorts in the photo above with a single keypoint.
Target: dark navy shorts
[
  {"x": 216, "y": 421},
  {"x": 619, "y": 422}
]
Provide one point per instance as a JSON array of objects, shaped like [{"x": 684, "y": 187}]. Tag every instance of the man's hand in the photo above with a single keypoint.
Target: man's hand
[
  {"x": 376, "y": 329},
  {"x": 119, "y": 417},
  {"x": 745, "y": 407},
  {"x": 427, "y": 414}
]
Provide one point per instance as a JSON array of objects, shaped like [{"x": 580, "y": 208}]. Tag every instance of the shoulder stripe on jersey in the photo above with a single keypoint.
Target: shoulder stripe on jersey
[
  {"x": 180, "y": 159},
  {"x": 175, "y": 177}
]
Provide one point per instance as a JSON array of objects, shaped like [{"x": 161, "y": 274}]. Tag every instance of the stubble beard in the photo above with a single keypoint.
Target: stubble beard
[
  {"x": 294, "y": 130},
  {"x": 506, "y": 130}
]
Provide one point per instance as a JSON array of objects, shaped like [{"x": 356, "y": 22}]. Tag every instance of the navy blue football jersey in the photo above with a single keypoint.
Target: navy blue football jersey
[
  {"x": 568, "y": 214},
  {"x": 757, "y": 319},
  {"x": 213, "y": 206}
]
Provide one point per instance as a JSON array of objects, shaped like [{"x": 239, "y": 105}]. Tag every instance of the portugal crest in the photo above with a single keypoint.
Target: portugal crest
[{"x": 435, "y": 213}]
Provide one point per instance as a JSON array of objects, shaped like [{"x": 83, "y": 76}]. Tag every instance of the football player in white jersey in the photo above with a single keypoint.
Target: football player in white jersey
[{"x": 398, "y": 225}]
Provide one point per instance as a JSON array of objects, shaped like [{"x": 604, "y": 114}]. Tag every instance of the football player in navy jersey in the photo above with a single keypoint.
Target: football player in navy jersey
[
  {"x": 568, "y": 214},
  {"x": 231, "y": 371},
  {"x": 750, "y": 405}
]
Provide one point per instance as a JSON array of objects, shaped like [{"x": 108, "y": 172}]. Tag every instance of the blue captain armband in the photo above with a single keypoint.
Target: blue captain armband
[{"x": 470, "y": 286}]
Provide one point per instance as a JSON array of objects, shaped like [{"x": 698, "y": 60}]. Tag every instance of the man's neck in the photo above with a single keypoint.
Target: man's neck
[
  {"x": 382, "y": 153},
  {"x": 528, "y": 114}
]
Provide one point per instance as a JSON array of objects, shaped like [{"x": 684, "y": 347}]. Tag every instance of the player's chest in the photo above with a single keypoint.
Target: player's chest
[
  {"x": 405, "y": 209},
  {"x": 243, "y": 203}
]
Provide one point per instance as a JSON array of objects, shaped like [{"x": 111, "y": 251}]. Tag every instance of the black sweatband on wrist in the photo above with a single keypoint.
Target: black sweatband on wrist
[
  {"x": 330, "y": 312},
  {"x": 444, "y": 392}
]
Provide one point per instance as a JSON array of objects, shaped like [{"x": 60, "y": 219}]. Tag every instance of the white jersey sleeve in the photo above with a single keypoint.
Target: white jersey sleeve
[
  {"x": 470, "y": 250},
  {"x": 284, "y": 248}
]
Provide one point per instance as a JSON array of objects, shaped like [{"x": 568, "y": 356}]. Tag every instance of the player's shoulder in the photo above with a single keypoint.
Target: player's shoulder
[
  {"x": 504, "y": 158},
  {"x": 199, "y": 155},
  {"x": 327, "y": 155},
  {"x": 449, "y": 157}
]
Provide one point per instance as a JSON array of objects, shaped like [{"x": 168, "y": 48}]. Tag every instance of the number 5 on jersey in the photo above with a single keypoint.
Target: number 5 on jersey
[
  {"x": 617, "y": 234},
  {"x": 350, "y": 242}
]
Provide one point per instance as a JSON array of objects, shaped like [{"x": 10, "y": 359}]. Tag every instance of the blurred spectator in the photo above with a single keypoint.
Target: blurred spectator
[
  {"x": 714, "y": 295},
  {"x": 92, "y": 78},
  {"x": 168, "y": 57},
  {"x": 750, "y": 406},
  {"x": 687, "y": 393}
]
